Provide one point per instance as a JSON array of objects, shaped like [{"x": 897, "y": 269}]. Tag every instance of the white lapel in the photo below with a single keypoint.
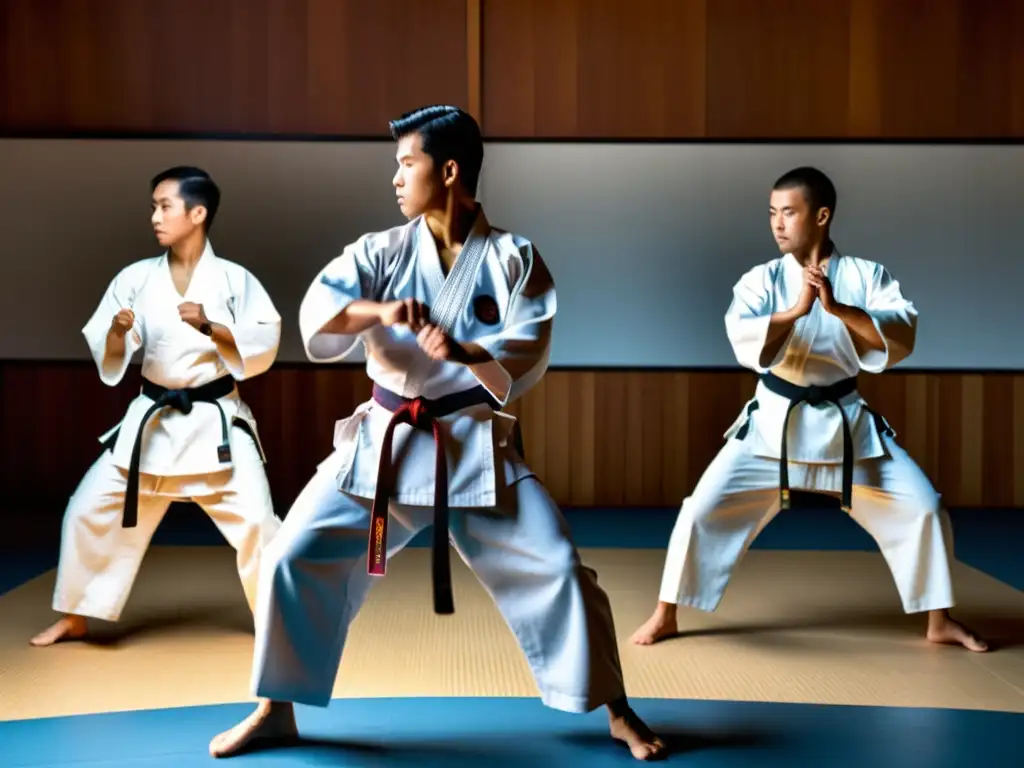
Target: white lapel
[{"x": 458, "y": 286}]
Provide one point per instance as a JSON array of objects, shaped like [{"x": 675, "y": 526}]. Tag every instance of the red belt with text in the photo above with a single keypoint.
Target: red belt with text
[{"x": 420, "y": 413}]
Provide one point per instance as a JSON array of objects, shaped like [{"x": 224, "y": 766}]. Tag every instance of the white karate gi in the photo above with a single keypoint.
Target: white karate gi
[
  {"x": 503, "y": 523},
  {"x": 99, "y": 559},
  {"x": 738, "y": 494}
]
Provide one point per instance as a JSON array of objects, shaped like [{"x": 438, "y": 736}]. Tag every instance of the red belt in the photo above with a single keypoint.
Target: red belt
[{"x": 420, "y": 413}]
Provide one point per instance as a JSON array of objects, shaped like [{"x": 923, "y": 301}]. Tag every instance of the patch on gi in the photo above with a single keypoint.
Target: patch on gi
[{"x": 486, "y": 310}]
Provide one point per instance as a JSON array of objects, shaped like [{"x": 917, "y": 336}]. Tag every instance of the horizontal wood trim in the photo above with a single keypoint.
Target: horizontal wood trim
[{"x": 605, "y": 438}]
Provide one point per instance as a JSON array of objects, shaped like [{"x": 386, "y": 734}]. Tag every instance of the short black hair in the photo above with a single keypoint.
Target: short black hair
[
  {"x": 195, "y": 187},
  {"x": 817, "y": 187},
  {"x": 448, "y": 133}
]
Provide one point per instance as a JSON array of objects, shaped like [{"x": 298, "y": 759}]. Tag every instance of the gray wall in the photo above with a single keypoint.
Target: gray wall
[{"x": 645, "y": 241}]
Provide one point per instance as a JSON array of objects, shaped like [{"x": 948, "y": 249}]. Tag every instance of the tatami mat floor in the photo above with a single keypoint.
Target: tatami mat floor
[
  {"x": 799, "y": 626},
  {"x": 796, "y": 626}
]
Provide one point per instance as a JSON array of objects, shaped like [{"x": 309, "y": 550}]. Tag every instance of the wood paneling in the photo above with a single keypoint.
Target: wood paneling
[
  {"x": 594, "y": 68},
  {"x": 556, "y": 69},
  {"x": 786, "y": 69},
  {"x": 607, "y": 438},
  {"x": 227, "y": 66}
]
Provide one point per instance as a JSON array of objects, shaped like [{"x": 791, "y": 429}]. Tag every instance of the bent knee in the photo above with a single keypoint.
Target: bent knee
[{"x": 563, "y": 562}]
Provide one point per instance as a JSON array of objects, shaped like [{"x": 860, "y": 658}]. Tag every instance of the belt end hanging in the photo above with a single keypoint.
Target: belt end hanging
[
  {"x": 444, "y": 604},
  {"x": 377, "y": 555}
]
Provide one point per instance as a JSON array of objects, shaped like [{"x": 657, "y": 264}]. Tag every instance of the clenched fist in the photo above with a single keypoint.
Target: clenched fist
[
  {"x": 192, "y": 314},
  {"x": 410, "y": 312},
  {"x": 122, "y": 322},
  {"x": 438, "y": 345}
]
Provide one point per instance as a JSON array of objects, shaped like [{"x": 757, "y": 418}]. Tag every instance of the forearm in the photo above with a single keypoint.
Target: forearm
[
  {"x": 779, "y": 327},
  {"x": 225, "y": 341},
  {"x": 114, "y": 351},
  {"x": 862, "y": 329},
  {"x": 473, "y": 354},
  {"x": 356, "y": 317}
]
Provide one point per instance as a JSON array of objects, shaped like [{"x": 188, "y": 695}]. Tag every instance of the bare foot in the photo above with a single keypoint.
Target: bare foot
[
  {"x": 626, "y": 726},
  {"x": 661, "y": 625},
  {"x": 943, "y": 629},
  {"x": 273, "y": 723},
  {"x": 66, "y": 628}
]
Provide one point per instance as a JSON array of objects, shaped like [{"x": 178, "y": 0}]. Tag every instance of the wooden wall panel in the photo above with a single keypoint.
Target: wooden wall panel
[
  {"x": 227, "y": 66},
  {"x": 605, "y": 438},
  {"x": 778, "y": 69},
  {"x": 593, "y": 68},
  {"x": 788, "y": 69},
  {"x": 554, "y": 69}
]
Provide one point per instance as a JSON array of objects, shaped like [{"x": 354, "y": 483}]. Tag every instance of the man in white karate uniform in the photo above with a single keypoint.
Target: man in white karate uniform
[
  {"x": 808, "y": 323},
  {"x": 456, "y": 318},
  {"x": 203, "y": 323}
]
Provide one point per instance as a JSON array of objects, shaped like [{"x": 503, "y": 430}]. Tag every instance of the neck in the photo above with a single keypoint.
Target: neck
[
  {"x": 188, "y": 251},
  {"x": 815, "y": 254},
  {"x": 451, "y": 224}
]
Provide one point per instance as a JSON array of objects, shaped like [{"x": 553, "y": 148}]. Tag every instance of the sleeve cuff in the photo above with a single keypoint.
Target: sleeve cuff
[
  {"x": 254, "y": 352},
  {"x": 495, "y": 379},
  {"x": 875, "y": 360},
  {"x": 112, "y": 378},
  {"x": 325, "y": 347}
]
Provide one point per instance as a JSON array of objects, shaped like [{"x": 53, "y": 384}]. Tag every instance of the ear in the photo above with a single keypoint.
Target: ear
[
  {"x": 824, "y": 215},
  {"x": 450, "y": 173},
  {"x": 198, "y": 214}
]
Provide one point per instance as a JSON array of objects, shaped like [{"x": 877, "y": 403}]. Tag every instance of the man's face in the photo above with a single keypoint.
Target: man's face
[
  {"x": 171, "y": 222},
  {"x": 794, "y": 225},
  {"x": 418, "y": 184}
]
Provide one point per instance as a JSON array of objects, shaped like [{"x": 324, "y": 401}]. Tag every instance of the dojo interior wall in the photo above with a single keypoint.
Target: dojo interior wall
[{"x": 643, "y": 90}]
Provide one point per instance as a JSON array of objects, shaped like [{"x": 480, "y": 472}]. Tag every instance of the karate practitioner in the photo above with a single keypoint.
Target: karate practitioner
[
  {"x": 203, "y": 322},
  {"x": 456, "y": 319},
  {"x": 808, "y": 323}
]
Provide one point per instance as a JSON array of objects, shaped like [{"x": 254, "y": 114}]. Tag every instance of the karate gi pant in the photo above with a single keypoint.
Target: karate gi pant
[
  {"x": 99, "y": 559},
  {"x": 738, "y": 496},
  {"x": 314, "y": 582}
]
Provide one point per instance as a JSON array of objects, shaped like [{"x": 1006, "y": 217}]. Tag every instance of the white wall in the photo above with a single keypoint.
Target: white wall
[{"x": 645, "y": 240}]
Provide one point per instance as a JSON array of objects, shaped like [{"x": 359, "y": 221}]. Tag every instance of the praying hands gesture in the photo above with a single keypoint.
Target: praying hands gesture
[{"x": 817, "y": 278}]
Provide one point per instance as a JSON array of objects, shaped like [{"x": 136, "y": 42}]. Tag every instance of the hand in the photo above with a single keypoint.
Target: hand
[
  {"x": 808, "y": 294},
  {"x": 122, "y": 322},
  {"x": 438, "y": 345},
  {"x": 192, "y": 314},
  {"x": 824, "y": 288},
  {"x": 410, "y": 312}
]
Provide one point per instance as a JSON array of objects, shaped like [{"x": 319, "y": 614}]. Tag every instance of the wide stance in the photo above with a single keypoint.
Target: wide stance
[
  {"x": 203, "y": 323},
  {"x": 456, "y": 318},
  {"x": 808, "y": 323}
]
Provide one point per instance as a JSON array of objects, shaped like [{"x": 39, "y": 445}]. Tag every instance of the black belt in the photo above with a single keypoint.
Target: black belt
[
  {"x": 420, "y": 413},
  {"x": 182, "y": 400},
  {"x": 813, "y": 395}
]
